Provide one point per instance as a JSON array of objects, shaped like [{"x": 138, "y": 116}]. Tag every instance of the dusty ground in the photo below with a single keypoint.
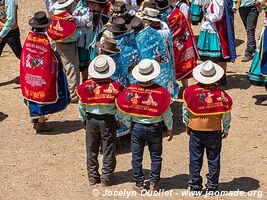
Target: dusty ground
[{"x": 52, "y": 166}]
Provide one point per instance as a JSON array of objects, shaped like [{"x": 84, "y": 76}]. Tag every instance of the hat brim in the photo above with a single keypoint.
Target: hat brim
[
  {"x": 151, "y": 18},
  {"x": 100, "y": 45},
  {"x": 208, "y": 80},
  {"x": 110, "y": 28},
  {"x": 95, "y": 74},
  {"x": 57, "y": 6},
  {"x": 144, "y": 78},
  {"x": 94, "y": 1},
  {"x": 32, "y": 24},
  {"x": 164, "y": 8},
  {"x": 128, "y": 9}
]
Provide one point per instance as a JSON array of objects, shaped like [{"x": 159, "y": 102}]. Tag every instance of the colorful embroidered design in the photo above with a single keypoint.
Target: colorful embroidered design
[
  {"x": 207, "y": 100},
  {"x": 99, "y": 92},
  {"x": 152, "y": 101}
]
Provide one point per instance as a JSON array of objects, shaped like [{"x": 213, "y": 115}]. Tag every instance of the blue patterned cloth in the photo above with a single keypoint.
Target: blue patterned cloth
[
  {"x": 129, "y": 55},
  {"x": 152, "y": 45}
]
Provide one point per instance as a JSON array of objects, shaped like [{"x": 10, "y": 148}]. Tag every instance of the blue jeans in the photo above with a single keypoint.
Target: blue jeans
[
  {"x": 152, "y": 135},
  {"x": 249, "y": 16},
  {"x": 212, "y": 142}
]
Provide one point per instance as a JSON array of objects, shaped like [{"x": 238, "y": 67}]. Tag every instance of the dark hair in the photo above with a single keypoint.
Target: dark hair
[{"x": 38, "y": 29}]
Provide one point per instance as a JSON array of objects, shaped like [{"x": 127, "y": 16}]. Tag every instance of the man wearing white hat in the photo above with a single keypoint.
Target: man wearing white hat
[
  {"x": 66, "y": 34},
  {"x": 97, "y": 106},
  {"x": 207, "y": 116},
  {"x": 144, "y": 107}
]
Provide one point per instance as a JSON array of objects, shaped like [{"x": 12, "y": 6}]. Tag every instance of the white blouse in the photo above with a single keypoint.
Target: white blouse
[{"x": 211, "y": 18}]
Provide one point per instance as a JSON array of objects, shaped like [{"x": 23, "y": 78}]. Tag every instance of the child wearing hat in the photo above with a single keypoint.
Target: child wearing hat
[
  {"x": 144, "y": 107},
  {"x": 97, "y": 106},
  {"x": 207, "y": 116}
]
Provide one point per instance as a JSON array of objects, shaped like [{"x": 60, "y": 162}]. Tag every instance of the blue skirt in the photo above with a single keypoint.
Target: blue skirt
[
  {"x": 196, "y": 13},
  {"x": 254, "y": 76},
  {"x": 209, "y": 47}
]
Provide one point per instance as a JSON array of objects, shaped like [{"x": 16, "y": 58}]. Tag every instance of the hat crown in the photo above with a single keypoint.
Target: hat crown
[
  {"x": 151, "y": 12},
  {"x": 39, "y": 19},
  {"x": 208, "y": 69},
  {"x": 101, "y": 64},
  {"x": 146, "y": 67},
  {"x": 119, "y": 7},
  {"x": 119, "y": 24}
]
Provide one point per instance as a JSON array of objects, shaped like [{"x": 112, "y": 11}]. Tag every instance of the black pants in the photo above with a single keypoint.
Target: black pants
[
  {"x": 249, "y": 16},
  {"x": 211, "y": 141},
  {"x": 100, "y": 129},
  {"x": 13, "y": 40}
]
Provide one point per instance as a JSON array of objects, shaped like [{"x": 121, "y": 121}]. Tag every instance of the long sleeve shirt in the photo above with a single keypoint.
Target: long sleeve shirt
[
  {"x": 226, "y": 119},
  {"x": 10, "y": 9},
  {"x": 128, "y": 119},
  {"x": 212, "y": 17},
  {"x": 96, "y": 109}
]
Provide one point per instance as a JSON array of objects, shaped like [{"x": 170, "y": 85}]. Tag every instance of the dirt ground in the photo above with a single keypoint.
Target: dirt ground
[{"x": 53, "y": 166}]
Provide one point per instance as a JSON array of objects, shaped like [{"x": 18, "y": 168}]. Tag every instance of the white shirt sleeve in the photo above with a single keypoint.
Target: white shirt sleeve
[
  {"x": 184, "y": 9},
  {"x": 218, "y": 7}
]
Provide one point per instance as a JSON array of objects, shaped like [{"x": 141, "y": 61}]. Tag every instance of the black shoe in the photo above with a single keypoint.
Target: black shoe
[
  {"x": 138, "y": 187},
  {"x": 94, "y": 182},
  {"x": 247, "y": 58},
  {"x": 41, "y": 128}
]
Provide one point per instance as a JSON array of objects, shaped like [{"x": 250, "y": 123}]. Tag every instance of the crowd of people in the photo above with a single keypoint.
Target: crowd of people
[{"x": 120, "y": 62}]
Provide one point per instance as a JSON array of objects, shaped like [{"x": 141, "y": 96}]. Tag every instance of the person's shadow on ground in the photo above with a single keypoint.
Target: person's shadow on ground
[
  {"x": 237, "y": 81},
  {"x": 259, "y": 99},
  {"x": 64, "y": 127},
  {"x": 3, "y": 116},
  {"x": 13, "y": 81}
]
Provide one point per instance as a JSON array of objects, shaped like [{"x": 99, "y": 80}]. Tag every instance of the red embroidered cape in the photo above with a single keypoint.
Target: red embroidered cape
[
  {"x": 61, "y": 28},
  {"x": 99, "y": 92},
  {"x": 38, "y": 70},
  {"x": 184, "y": 44},
  {"x": 152, "y": 101},
  {"x": 207, "y": 100},
  {"x": 223, "y": 36}
]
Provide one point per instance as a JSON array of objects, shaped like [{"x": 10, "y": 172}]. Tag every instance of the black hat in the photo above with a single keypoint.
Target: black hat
[
  {"x": 40, "y": 20},
  {"x": 109, "y": 45},
  {"x": 163, "y": 4},
  {"x": 119, "y": 9},
  {"x": 118, "y": 26},
  {"x": 137, "y": 24},
  {"x": 98, "y": 1}
]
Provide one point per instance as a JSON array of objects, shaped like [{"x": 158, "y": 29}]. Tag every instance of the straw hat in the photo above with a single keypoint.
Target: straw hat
[
  {"x": 208, "y": 72},
  {"x": 62, "y": 4},
  {"x": 102, "y": 66},
  {"x": 146, "y": 70},
  {"x": 150, "y": 14}
]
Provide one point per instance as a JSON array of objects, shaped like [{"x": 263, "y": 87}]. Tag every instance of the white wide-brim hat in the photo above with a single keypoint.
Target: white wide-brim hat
[
  {"x": 102, "y": 66},
  {"x": 62, "y": 4},
  {"x": 208, "y": 72},
  {"x": 146, "y": 70}
]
